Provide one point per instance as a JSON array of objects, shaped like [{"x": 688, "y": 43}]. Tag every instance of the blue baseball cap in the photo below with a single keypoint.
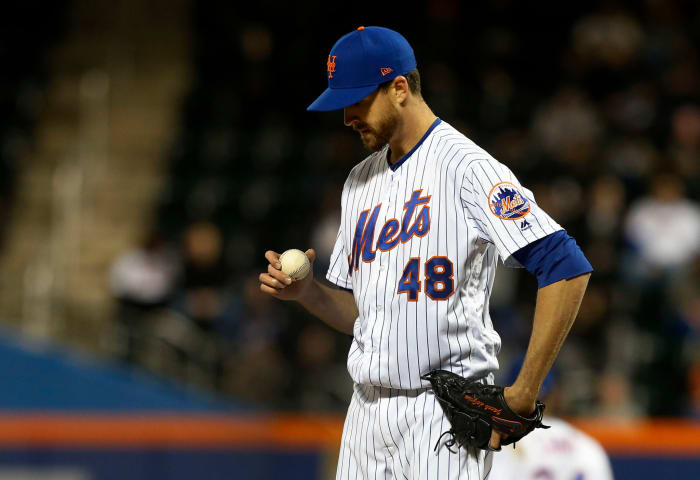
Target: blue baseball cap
[{"x": 359, "y": 62}]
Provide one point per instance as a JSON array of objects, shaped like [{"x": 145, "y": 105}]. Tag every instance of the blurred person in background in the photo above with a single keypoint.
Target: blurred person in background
[
  {"x": 326, "y": 227},
  {"x": 685, "y": 145},
  {"x": 561, "y": 452},
  {"x": 143, "y": 281},
  {"x": 319, "y": 381},
  {"x": 688, "y": 298},
  {"x": 203, "y": 300},
  {"x": 663, "y": 233},
  {"x": 257, "y": 337}
]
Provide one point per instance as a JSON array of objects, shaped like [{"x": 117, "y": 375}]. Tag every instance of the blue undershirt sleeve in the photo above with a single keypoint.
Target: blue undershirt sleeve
[{"x": 553, "y": 258}]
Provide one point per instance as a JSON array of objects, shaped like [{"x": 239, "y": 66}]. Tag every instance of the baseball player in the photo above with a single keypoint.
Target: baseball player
[
  {"x": 561, "y": 452},
  {"x": 424, "y": 219}
]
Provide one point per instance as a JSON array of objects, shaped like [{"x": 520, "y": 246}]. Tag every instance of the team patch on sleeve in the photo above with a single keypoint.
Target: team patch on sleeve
[{"x": 507, "y": 202}]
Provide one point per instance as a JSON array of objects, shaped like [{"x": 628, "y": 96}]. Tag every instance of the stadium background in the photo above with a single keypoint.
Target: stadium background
[{"x": 151, "y": 151}]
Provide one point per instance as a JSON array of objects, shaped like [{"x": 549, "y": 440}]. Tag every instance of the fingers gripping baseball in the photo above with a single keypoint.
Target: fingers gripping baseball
[{"x": 277, "y": 283}]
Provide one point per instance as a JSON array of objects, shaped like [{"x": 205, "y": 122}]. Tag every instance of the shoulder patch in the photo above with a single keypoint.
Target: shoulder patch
[{"x": 507, "y": 202}]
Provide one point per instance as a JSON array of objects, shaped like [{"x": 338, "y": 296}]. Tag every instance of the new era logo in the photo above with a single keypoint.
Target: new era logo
[{"x": 385, "y": 71}]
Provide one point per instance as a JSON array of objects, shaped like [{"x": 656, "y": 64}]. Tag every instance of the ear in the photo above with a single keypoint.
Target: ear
[{"x": 399, "y": 89}]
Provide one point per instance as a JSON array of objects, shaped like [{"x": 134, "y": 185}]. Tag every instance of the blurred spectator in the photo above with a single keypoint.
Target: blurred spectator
[
  {"x": 606, "y": 207},
  {"x": 320, "y": 381},
  {"x": 568, "y": 127},
  {"x": 204, "y": 301},
  {"x": 616, "y": 397},
  {"x": 612, "y": 39},
  {"x": 685, "y": 145},
  {"x": 142, "y": 280},
  {"x": 663, "y": 229},
  {"x": 255, "y": 368},
  {"x": 561, "y": 452},
  {"x": 325, "y": 230},
  {"x": 202, "y": 256}
]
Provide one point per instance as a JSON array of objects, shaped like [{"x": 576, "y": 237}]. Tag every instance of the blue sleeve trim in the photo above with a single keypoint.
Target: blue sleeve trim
[{"x": 553, "y": 258}]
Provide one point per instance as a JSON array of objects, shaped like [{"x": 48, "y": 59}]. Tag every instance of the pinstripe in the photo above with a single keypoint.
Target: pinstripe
[
  {"x": 404, "y": 409},
  {"x": 422, "y": 451},
  {"x": 478, "y": 466},
  {"x": 351, "y": 427},
  {"x": 397, "y": 445},
  {"x": 335, "y": 258},
  {"x": 399, "y": 316},
  {"x": 347, "y": 441},
  {"x": 369, "y": 433},
  {"x": 488, "y": 459},
  {"x": 410, "y": 250},
  {"x": 379, "y": 421},
  {"x": 363, "y": 455},
  {"x": 442, "y": 210},
  {"x": 363, "y": 444},
  {"x": 456, "y": 269},
  {"x": 420, "y": 244},
  {"x": 368, "y": 272}
]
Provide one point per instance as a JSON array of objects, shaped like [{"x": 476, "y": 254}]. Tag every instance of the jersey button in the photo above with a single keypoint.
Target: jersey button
[{"x": 379, "y": 308}]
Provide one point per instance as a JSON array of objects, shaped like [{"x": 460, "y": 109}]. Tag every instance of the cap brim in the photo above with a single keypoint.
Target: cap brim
[{"x": 337, "y": 98}]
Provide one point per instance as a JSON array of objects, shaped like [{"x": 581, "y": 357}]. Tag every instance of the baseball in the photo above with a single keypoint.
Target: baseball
[{"x": 295, "y": 263}]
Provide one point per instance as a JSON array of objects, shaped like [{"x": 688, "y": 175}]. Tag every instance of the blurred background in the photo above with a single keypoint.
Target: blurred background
[{"x": 152, "y": 151}]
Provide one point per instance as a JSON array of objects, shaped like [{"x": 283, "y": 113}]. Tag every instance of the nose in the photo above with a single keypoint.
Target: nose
[{"x": 349, "y": 116}]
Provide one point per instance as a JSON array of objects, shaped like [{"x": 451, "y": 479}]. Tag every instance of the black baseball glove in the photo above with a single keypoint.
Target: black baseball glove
[{"x": 473, "y": 409}]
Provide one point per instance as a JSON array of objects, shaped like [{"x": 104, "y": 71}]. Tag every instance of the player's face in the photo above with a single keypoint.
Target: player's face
[{"x": 374, "y": 118}]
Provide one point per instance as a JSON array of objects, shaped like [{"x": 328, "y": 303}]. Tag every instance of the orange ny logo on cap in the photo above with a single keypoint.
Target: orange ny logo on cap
[{"x": 331, "y": 66}]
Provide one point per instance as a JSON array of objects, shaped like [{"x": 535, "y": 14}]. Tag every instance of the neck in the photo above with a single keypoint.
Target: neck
[{"x": 411, "y": 129}]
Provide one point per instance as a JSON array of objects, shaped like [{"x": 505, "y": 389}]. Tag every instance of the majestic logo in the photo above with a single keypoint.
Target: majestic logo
[
  {"x": 386, "y": 71},
  {"x": 391, "y": 233},
  {"x": 506, "y": 201},
  {"x": 524, "y": 225},
  {"x": 330, "y": 65}
]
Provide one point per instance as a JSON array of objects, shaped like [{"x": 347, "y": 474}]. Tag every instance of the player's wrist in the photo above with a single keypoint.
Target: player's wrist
[
  {"x": 520, "y": 399},
  {"x": 308, "y": 291}
]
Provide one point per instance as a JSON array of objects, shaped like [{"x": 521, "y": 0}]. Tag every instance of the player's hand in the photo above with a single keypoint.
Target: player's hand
[
  {"x": 280, "y": 285},
  {"x": 520, "y": 405}
]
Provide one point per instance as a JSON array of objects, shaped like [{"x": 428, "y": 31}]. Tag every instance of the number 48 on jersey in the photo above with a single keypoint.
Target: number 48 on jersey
[{"x": 437, "y": 277}]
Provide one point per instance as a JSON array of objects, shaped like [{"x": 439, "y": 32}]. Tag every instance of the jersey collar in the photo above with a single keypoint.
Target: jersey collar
[{"x": 395, "y": 166}]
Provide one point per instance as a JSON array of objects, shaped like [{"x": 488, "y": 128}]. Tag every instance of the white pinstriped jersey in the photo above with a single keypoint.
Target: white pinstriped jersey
[{"x": 418, "y": 245}]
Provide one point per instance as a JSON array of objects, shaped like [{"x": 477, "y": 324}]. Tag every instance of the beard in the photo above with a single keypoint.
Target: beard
[{"x": 374, "y": 138}]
